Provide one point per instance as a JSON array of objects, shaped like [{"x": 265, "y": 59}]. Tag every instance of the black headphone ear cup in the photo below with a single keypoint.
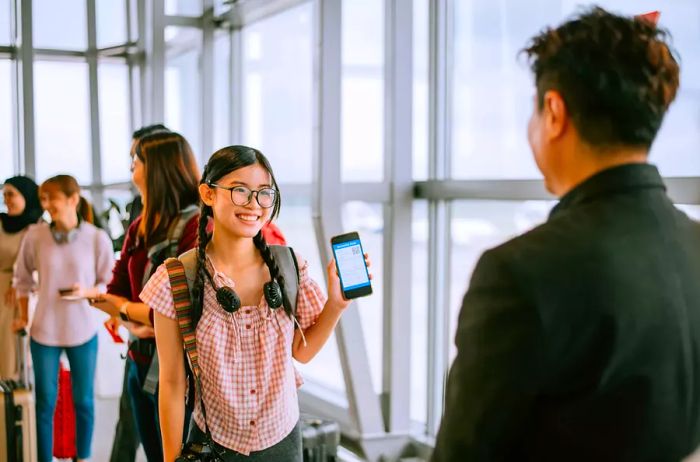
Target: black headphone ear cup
[
  {"x": 228, "y": 299},
  {"x": 273, "y": 294}
]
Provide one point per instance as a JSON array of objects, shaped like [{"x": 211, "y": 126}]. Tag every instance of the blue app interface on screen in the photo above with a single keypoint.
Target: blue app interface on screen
[{"x": 351, "y": 263}]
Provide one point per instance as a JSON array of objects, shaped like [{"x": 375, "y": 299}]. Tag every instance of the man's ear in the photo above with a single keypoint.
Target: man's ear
[
  {"x": 206, "y": 193},
  {"x": 556, "y": 116}
]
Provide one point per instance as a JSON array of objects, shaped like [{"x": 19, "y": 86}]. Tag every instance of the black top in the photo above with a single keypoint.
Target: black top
[{"x": 580, "y": 340}]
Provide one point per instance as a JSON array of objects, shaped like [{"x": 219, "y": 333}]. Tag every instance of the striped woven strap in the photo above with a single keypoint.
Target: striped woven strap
[{"x": 183, "y": 310}]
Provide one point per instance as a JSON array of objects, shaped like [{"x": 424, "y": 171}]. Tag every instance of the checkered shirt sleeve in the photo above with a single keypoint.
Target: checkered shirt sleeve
[
  {"x": 310, "y": 298},
  {"x": 157, "y": 295}
]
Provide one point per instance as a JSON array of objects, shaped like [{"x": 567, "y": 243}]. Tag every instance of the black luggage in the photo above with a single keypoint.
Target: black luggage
[
  {"x": 17, "y": 415},
  {"x": 320, "y": 439}
]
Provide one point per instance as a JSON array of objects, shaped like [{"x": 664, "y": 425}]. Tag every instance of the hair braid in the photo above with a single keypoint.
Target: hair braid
[
  {"x": 202, "y": 241},
  {"x": 275, "y": 272}
]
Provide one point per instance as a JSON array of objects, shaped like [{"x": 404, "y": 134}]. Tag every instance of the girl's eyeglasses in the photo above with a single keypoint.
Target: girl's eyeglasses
[{"x": 241, "y": 196}]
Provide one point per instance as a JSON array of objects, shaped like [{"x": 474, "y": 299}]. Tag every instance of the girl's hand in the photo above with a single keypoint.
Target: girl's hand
[
  {"x": 140, "y": 331},
  {"x": 335, "y": 292},
  {"x": 87, "y": 292},
  {"x": 108, "y": 303}
]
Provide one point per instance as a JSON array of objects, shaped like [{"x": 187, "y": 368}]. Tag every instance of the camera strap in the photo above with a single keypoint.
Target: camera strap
[{"x": 183, "y": 311}]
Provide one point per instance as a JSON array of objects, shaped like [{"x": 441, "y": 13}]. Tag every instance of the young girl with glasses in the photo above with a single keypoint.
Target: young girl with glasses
[{"x": 249, "y": 383}]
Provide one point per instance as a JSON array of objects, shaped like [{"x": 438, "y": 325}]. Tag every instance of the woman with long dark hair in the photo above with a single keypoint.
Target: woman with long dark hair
[
  {"x": 73, "y": 259},
  {"x": 21, "y": 196},
  {"x": 249, "y": 384},
  {"x": 166, "y": 175}
]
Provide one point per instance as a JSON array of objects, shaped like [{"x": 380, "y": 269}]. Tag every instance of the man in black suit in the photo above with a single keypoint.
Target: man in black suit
[{"x": 580, "y": 340}]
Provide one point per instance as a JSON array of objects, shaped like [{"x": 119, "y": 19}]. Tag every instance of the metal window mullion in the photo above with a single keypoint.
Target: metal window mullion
[
  {"x": 155, "y": 60},
  {"x": 143, "y": 47},
  {"x": 184, "y": 21},
  {"x": 130, "y": 63},
  {"x": 26, "y": 82},
  {"x": 206, "y": 82},
  {"x": 243, "y": 14},
  {"x": 91, "y": 56},
  {"x": 398, "y": 97},
  {"x": 438, "y": 212},
  {"x": 236, "y": 86},
  {"x": 15, "y": 90},
  {"x": 363, "y": 402}
]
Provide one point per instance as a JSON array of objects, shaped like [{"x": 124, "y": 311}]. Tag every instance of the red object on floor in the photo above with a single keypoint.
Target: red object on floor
[{"x": 64, "y": 419}]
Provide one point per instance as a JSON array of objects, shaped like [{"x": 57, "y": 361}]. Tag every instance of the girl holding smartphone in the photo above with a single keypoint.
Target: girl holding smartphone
[
  {"x": 249, "y": 384},
  {"x": 74, "y": 261}
]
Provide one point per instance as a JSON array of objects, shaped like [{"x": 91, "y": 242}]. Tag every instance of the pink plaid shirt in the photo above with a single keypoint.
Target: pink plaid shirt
[{"x": 248, "y": 380}]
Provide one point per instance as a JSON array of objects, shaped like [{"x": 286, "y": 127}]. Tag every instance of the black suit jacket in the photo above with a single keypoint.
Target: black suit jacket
[{"x": 580, "y": 340}]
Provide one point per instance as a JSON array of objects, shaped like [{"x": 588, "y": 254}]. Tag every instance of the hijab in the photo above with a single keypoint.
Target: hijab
[{"x": 32, "y": 210}]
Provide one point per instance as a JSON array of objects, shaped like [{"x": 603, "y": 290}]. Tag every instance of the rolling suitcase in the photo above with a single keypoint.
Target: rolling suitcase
[
  {"x": 17, "y": 414},
  {"x": 319, "y": 439}
]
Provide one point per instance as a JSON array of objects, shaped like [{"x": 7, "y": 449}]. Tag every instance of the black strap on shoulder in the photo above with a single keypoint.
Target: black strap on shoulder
[{"x": 287, "y": 262}]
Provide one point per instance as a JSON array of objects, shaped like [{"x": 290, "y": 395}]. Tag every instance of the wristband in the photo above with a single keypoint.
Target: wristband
[{"x": 123, "y": 313}]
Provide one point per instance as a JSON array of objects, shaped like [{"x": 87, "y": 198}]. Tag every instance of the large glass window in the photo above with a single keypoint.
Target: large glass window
[
  {"x": 183, "y": 7},
  {"x": 419, "y": 313},
  {"x": 277, "y": 91},
  {"x": 493, "y": 90},
  {"x": 7, "y": 120},
  {"x": 362, "y": 123},
  {"x": 111, "y": 23},
  {"x": 297, "y": 227},
  {"x": 5, "y": 18},
  {"x": 60, "y": 25},
  {"x": 367, "y": 219},
  {"x": 222, "y": 90},
  {"x": 115, "y": 136},
  {"x": 182, "y": 85},
  {"x": 62, "y": 120},
  {"x": 421, "y": 110}
]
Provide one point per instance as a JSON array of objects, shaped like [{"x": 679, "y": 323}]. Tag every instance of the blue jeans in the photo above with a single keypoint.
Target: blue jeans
[
  {"x": 82, "y": 359},
  {"x": 145, "y": 409}
]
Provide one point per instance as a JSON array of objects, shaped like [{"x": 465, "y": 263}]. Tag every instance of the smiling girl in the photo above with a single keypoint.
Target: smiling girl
[
  {"x": 249, "y": 384},
  {"x": 72, "y": 257}
]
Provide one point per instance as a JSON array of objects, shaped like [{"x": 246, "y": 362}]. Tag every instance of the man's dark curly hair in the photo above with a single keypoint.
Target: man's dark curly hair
[{"x": 617, "y": 75}]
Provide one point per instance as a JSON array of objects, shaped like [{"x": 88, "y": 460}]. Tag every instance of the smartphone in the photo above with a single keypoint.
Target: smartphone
[{"x": 350, "y": 262}]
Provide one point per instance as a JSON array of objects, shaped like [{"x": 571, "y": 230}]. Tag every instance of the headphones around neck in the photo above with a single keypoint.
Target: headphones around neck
[
  {"x": 230, "y": 302},
  {"x": 64, "y": 237}
]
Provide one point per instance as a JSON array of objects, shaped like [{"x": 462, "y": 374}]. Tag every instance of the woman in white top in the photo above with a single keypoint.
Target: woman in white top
[
  {"x": 74, "y": 261},
  {"x": 21, "y": 196}
]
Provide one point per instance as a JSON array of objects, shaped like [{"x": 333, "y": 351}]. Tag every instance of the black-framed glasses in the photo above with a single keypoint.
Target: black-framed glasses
[{"x": 241, "y": 195}]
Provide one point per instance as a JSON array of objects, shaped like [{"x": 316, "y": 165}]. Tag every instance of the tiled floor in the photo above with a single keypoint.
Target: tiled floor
[{"x": 106, "y": 411}]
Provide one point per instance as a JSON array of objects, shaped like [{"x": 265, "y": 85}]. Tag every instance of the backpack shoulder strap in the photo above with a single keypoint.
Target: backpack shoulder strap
[
  {"x": 189, "y": 262},
  {"x": 287, "y": 262},
  {"x": 179, "y": 287}
]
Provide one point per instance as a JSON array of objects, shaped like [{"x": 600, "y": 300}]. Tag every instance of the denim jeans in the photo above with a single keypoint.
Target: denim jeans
[
  {"x": 145, "y": 409},
  {"x": 82, "y": 359}
]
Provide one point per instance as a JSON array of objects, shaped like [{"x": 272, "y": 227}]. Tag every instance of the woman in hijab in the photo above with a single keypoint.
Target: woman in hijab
[{"x": 21, "y": 197}]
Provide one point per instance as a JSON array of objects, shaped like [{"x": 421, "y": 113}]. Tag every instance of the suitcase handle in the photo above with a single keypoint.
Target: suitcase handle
[{"x": 22, "y": 340}]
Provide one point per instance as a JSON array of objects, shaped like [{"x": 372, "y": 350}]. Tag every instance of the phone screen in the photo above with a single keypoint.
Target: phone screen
[{"x": 351, "y": 265}]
